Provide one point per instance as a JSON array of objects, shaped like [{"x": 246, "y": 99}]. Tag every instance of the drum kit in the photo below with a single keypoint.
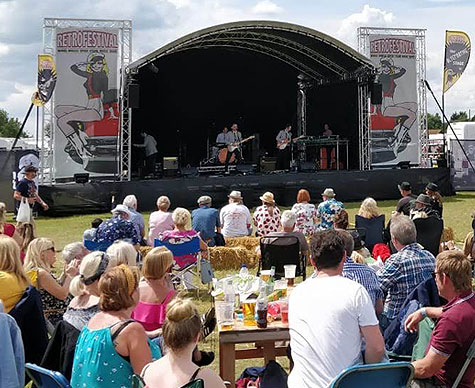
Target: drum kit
[{"x": 219, "y": 152}]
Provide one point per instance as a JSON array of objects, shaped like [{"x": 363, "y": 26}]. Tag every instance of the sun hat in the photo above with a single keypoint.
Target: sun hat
[
  {"x": 235, "y": 194},
  {"x": 432, "y": 187},
  {"x": 121, "y": 209},
  {"x": 204, "y": 199},
  {"x": 267, "y": 197},
  {"x": 328, "y": 193},
  {"x": 406, "y": 186},
  {"x": 424, "y": 199}
]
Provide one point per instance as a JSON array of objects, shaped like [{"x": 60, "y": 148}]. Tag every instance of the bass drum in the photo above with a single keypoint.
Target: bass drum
[{"x": 222, "y": 156}]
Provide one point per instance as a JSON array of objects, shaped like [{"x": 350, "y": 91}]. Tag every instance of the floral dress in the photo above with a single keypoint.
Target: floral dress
[
  {"x": 306, "y": 214},
  {"x": 264, "y": 222}
]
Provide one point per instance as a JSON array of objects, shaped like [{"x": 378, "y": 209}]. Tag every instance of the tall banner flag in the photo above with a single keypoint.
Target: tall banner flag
[
  {"x": 46, "y": 80},
  {"x": 457, "y": 54},
  {"x": 86, "y": 101},
  {"x": 394, "y": 124}
]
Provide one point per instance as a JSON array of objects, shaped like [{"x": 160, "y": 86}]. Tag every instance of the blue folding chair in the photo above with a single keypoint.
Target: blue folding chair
[
  {"x": 95, "y": 246},
  {"x": 45, "y": 378},
  {"x": 384, "y": 375}
]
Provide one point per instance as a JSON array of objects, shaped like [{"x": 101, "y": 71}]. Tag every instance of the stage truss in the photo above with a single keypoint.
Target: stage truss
[
  {"x": 420, "y": 36},
  {"x": 47, "y": 154}
]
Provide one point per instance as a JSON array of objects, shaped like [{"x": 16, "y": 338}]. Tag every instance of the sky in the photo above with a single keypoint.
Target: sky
[{"x": 157, "y": 22}]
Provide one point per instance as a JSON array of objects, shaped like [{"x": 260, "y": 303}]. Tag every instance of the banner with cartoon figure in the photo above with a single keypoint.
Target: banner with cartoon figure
[
  {"x": 457, "y": 54},
  {"x": 46, "y": 79},
  {"x": 86, "y": 101},
  {"x": 394, "y": 124}
]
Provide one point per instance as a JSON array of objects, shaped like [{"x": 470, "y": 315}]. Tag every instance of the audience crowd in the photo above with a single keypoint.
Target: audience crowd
[{"x": 116, "y": 314}]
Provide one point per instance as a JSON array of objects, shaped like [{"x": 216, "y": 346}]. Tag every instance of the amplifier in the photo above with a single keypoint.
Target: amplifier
[
  {"x": 268, "y": 164},
  {"x": 170, "y": 163}
]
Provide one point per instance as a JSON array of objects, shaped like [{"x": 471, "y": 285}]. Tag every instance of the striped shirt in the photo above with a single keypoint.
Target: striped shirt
[
  {"x": 365, "y": 276},
  {"x": 402, "y": 273}
]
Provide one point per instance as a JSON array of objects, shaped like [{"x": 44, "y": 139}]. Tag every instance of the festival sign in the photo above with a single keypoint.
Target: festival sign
[
  {"x": 457, "y": 54},
  {"x": 394, "y": 124},
  {"x": 86, "y": 101}
]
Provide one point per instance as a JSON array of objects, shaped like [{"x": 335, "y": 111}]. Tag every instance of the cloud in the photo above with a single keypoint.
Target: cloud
[
  {"x": 266, "y": 7},
  {"x": 368, "y": 17}
]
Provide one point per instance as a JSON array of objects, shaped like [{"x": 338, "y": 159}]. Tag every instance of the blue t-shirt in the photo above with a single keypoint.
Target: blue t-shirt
[
  {"x": 205, "y": 220},
  {"x": 26, "y": 188}
]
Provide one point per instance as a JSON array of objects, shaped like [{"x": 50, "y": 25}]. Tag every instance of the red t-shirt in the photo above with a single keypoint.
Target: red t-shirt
[
  {"x": 8, "y": 229},
  {"x": 452, "y": 336}
]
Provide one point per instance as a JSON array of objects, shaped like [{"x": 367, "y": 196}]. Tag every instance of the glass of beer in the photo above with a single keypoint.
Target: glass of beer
[
  {"x": 289, "y": 270},
  {"x": 225, "y": 315},
  {"x": 284, "y": 310},
  {"x": 249, "y": 312}
]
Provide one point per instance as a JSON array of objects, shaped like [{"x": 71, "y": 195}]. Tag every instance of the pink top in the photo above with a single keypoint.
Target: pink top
[
  {"x": 152, "y": 315},
  {"x": 177, "y": 237},
  {"x": 159, "y": 222}
]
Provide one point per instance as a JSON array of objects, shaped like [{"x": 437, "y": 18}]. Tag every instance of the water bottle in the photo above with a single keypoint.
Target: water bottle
[
  {"x": 229, "y": 295},
  {"x": 261, "y": 308},
  {"x": 244, "y": 272}
]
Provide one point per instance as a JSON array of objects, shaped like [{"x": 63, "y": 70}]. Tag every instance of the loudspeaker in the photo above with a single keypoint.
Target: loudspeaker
[
  {"x": 376, "y": 94},
  {"x": 268, "y": 164},
  {"x": 170, "y": 166},
  {"x": 134, "y": 96},
  {"x": 81, "y": 178},
  {"x": 404, "y": 165}
]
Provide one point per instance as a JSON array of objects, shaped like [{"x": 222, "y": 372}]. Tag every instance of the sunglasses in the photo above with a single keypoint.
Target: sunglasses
[{"x": 51, "y": 249}]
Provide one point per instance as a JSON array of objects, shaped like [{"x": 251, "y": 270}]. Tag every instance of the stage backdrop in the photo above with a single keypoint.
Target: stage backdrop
[
  {"x": 394, "y": 124},
  {"x": 86, "y": 101}
]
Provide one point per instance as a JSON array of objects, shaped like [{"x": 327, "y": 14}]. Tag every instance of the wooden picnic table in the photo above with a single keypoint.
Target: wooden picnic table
[{"x": 265, "y": 346}]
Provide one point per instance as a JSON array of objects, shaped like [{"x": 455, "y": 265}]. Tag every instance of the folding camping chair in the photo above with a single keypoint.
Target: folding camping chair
[
  {"x": 470, "y": 357},
  {"x": 45, "y": 378},
  {"x": 201, "y": 268},
  {"x": 429, "y": 232},
  {"x": 279, "y": 251},
  {"x": 95, "y": 246},
  {"x": 384, "y": 375}
]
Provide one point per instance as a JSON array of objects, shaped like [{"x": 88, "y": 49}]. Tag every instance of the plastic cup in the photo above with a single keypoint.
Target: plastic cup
[
  {"x": 249, "y": 312},
  {"x": 284, "y": 310},
  {"x": 265, "y": 275},
  {"x": 225, "y": 315},
  {"x": 289, "y": 271}
]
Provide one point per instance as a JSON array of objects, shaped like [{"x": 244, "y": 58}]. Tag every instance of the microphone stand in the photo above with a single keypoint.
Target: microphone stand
[{"x": 448, "y": 123}]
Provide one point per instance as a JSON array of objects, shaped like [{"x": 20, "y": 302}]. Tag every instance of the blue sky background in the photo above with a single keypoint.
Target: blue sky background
[{"x": 157, "y": 22}]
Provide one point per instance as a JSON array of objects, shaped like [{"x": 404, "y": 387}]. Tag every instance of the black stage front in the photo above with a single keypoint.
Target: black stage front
[{"x": 348, "y": 185}]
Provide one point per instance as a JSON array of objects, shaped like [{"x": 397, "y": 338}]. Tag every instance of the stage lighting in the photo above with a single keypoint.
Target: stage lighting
[
  {"x": 81, "y": 178},
  {"x": 153, "y": 68},
  {"x": 404, "y": 165}
]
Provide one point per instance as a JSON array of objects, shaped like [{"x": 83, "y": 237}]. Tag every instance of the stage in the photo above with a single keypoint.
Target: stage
[{"x": 97, "y": 196}]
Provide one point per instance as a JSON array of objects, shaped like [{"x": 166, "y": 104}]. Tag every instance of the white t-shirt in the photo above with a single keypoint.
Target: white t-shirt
[
  {"x": 150, "y": 145},
  {"x": 325, "y": 316},
  {"x": 235, "y": 219}
]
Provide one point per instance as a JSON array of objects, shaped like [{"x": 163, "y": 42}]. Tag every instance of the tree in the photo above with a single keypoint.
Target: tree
[
  {"x": 459, "y": 116},
  {"x": 9, "y": 126},
  {"x": 434, "y": 121}
]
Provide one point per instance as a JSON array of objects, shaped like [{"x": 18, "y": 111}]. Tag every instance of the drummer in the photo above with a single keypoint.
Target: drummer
[{"x": 220, "y": 142}]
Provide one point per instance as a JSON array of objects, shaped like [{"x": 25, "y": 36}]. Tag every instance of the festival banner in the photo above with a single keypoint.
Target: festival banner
[
  {"x": 86, "y": 101},
  {"x": 46, "y": 80},
  {"x": 394, "y": 124},
  {"x": 463, "y": 177},
  {"x": 457, "y": 54}
]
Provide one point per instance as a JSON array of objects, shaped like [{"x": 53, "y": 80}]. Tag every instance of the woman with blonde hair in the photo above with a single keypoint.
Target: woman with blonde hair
[
  {"x": 122, "y": 252},
  {"x": 306, "y": 213},
  {"x": 13, "y": 279},
  {"x": 267, "y": 217},
  {"x": 27, "y": 233},
  {"x": 160, "y": 220},
  {"x": 39, "y": 261},
  {"x": 181, "y": 333},
  {"x": 6, "y": 228},
  {"x": 112, "y": 346},
  {"x": 85, "y": 289},
  {"x": 370, "y": 219}
]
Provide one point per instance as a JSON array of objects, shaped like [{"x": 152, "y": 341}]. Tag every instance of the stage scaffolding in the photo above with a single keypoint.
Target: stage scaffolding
[
  {"x": 47, "y": 155},
  {"x": 420, "y": 36}
]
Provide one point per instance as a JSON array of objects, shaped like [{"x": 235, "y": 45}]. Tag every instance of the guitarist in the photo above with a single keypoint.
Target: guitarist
[
  {"x": 284, "y": 137},
  {"x": 233, "y": 137}
]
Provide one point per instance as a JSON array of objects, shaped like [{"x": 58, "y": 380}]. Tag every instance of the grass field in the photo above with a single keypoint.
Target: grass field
[{"x": 63, "y": 230}]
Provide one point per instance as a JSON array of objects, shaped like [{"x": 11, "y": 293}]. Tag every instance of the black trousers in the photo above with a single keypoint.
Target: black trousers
[
  {"x": 283, "y": 159},
  {"x": 150, "y": 163},
  {"x": 237, "y": 155}
]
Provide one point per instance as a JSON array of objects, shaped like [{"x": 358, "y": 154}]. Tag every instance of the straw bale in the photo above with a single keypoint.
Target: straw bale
[
  {"x": 249, "y": 243},
  {"x": 231, "y": 257}
]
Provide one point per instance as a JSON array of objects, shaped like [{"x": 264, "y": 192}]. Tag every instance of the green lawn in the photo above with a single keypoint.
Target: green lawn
[{"x": 63, "y": 230}]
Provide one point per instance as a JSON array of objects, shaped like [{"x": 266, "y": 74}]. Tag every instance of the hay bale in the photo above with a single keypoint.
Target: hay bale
[
  {"x": 250, "y": 243},
  {"x": 231, "y": 258}
]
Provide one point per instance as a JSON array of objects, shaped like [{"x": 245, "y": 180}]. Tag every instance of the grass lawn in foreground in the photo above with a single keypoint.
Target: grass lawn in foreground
[{"x": 63, "y": 230}]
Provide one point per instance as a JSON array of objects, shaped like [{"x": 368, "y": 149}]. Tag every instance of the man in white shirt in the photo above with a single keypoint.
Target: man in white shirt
[
  {"x": 233, "y": 138},
  {"x": 329, "y": 316},
  {"x": 221, "y": 138},
  {"x": 283, "y": 139},
  {"x": 150, "y": 145},
  {"x": 235, "y": 217}
]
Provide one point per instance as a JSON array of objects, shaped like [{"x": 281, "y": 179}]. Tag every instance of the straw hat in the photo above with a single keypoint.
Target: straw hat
[
  {"x": 328, "y": 193},
  {"x": 204, "y": 200},
  {"x": 235, "y": 194},
  {"x": 267, "y": 197}
]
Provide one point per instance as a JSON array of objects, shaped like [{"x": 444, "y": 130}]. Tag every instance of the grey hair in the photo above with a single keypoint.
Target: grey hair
[
  {"x": 130, "y": 201},
  {"x": 288, "y": 219},
  {"x": 403, "y": 230},
  {"x": 73, "y": 250},
  {"x": 163, "y": 202}
]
